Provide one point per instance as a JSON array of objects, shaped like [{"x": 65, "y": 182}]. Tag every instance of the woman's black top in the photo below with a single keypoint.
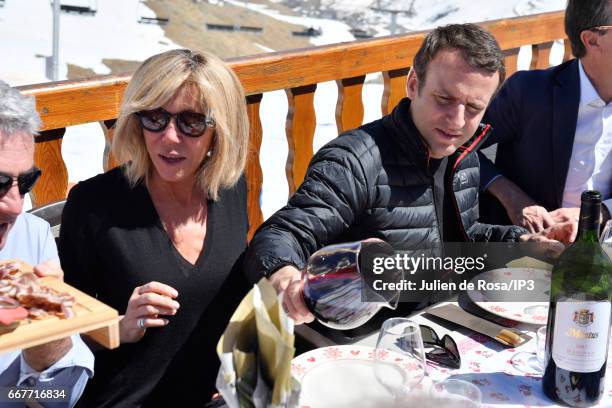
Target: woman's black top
[{"x": 111, "y": 241}]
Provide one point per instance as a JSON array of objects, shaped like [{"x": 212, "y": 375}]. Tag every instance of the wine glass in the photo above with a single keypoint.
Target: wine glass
[
  {"x": 399, "y": 359},
  {"x": 453, "y": 393},
  {"x": 606, "y": 238},
  {"x": 339, "y": 292},
  {"x": 532, "y": 363}
]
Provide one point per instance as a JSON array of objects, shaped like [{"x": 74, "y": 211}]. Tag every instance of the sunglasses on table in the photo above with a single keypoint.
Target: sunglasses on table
[
  {"x": 444, "y": 351},
  {"x": 191, "y": 124},
  {"x": 25, "y": 181}
]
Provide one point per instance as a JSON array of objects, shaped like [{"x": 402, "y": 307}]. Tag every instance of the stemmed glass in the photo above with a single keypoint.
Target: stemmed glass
[
  {"x": 532, "y": 362},
  {"x": 606, "y": 238},
  {"x": 399, "y": 360},
  {"x": 338, "y": 292},
  {"x": 453, "y": 393},
  {"x": 606, "y": 234}
]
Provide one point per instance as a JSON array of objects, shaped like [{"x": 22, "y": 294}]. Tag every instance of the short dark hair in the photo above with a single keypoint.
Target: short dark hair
[
  {"x": 581, "y": 15},
  {"x": 477, "y": 46}
]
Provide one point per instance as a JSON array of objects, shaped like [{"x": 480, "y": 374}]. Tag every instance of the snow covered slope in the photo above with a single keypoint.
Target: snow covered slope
[{"x": 113, "y": 33}]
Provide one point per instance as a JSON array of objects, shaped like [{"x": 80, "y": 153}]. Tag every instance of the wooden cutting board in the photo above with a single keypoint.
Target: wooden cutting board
[{"x": 92, "y": 317}]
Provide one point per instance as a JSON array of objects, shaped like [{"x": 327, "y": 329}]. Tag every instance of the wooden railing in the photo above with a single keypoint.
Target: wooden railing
[{"x": 298, "y": 72}]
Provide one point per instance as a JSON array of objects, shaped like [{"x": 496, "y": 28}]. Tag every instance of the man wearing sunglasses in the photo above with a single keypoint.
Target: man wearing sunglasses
[
  {"x": 553, "y": 130},
  {"x": 65, "y": 363}
]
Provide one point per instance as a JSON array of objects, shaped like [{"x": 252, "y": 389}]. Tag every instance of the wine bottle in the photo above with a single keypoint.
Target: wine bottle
[{"x": 579, "y": 315}]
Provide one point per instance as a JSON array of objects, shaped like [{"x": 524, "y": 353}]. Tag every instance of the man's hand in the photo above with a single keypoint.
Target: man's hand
[
  {"x": 566, "y": 215},
  {"x": 535, "y": 218},
  {"x": 562, "y": 232},
  {"x": 49, "y": 268},
  {"x": 44, "y": 356},
  {"x": 552, "y": 240},
  {"x": 521, "y": 209},
  {"x": 288, "y": 280}
]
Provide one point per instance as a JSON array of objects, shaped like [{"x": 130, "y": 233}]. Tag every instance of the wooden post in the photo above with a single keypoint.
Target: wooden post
[
  {"x": 540, "y": 55},
  {"x": 300, "y": 128},
  {"x": 253, "y": 171},
  {"x": 349, "y": 107},
  {"x": 48, "y": 157},
  {"x": 511, "y": 61},
  {"x": 108, "y": 161},
  {"x": 394, "y": 90}
]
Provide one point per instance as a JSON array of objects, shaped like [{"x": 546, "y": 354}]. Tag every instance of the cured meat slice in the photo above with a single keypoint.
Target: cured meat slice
[{"x": 21, "y": 289}]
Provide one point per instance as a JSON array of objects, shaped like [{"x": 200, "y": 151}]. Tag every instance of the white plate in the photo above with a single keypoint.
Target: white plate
[
  {"x": 341, "y": 376},
  {"x": 500, "y": 303}
]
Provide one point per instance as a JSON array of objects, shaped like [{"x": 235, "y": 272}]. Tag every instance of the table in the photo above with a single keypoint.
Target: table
[{"x": 485, "y": 363}]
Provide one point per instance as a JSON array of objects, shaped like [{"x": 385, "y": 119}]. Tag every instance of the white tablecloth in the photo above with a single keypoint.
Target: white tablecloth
[{"x": 488, "y": 364}]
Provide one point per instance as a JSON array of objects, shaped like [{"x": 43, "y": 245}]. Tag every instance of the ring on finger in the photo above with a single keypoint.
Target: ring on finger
[{"x": 140, "y": 323}]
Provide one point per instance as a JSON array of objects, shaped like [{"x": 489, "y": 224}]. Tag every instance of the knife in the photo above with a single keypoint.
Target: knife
[{"x": 455, "y": 314}]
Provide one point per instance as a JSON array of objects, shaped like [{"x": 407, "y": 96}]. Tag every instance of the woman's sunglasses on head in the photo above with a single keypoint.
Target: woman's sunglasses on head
[
  {"x": 191, "y": 124},
  {"x": 25, "y": 181}
]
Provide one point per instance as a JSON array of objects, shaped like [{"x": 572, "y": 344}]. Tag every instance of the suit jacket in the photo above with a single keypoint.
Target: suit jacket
[{"x": 534, "y": 119}]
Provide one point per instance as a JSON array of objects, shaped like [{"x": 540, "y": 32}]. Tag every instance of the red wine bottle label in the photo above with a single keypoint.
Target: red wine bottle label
[{"x": 581, "y": 335}]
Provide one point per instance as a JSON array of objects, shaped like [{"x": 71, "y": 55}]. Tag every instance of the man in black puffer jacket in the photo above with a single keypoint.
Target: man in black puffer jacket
[{"x": 410, "y": 177}]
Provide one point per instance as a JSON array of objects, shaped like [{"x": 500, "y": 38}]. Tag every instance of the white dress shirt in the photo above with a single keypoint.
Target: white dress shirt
[
  {"x": 70, "y": 372},
  {"x": 590, "y": 166}
]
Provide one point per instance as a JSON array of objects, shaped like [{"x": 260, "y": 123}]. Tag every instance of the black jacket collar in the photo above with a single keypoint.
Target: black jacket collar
[{"x": 406, "y": 135}]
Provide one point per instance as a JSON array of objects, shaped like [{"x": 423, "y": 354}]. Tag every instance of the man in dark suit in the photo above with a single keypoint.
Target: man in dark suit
[{"x": 553, "y": 130}]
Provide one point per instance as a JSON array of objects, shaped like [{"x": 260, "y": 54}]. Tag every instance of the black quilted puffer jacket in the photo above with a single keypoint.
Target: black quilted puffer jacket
[{"x": 372, "y": 182}]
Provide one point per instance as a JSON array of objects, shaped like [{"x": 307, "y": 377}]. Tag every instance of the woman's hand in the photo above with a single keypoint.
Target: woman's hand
[{"x": 144, "y": 307}]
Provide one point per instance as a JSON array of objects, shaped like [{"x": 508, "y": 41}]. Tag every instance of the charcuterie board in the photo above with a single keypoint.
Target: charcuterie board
[{"x": 90, "y": 316}]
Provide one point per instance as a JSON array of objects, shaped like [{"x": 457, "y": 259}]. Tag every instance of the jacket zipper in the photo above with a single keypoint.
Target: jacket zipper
[
  {"x": 433, "y": 193},
  {"x": 464, "y": 153},
  {"x": 454, "y": 199}
]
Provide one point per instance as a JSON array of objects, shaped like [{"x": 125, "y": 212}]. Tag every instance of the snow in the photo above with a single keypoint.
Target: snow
[
  {"x": 84, "y": 40},
  {"x": 274, "y": 104},
  {"x": 274, "y": 144},
  {"x": 114, "y": 33},
  {"x": 426, "y": 14},
  {"x": 333, "y": 31}
]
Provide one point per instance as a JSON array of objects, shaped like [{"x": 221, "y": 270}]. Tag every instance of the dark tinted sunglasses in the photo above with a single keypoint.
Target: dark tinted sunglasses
[
  {"x": 445, "y": 351},
  {"x": 189, "y": 123},
  {"x": 25, "y": 181}
]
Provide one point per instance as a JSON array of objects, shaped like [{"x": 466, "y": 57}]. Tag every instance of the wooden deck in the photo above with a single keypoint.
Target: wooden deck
[{"x": 97, "y": 99}]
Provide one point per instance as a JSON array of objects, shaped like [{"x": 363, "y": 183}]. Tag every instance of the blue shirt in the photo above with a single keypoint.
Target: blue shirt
[
  {"x": 30, "y": 240},
  {"x": 70, "y": 373}
]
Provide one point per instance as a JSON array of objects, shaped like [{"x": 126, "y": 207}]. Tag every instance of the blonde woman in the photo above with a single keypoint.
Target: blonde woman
[{"x": 158, "y": 238}]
